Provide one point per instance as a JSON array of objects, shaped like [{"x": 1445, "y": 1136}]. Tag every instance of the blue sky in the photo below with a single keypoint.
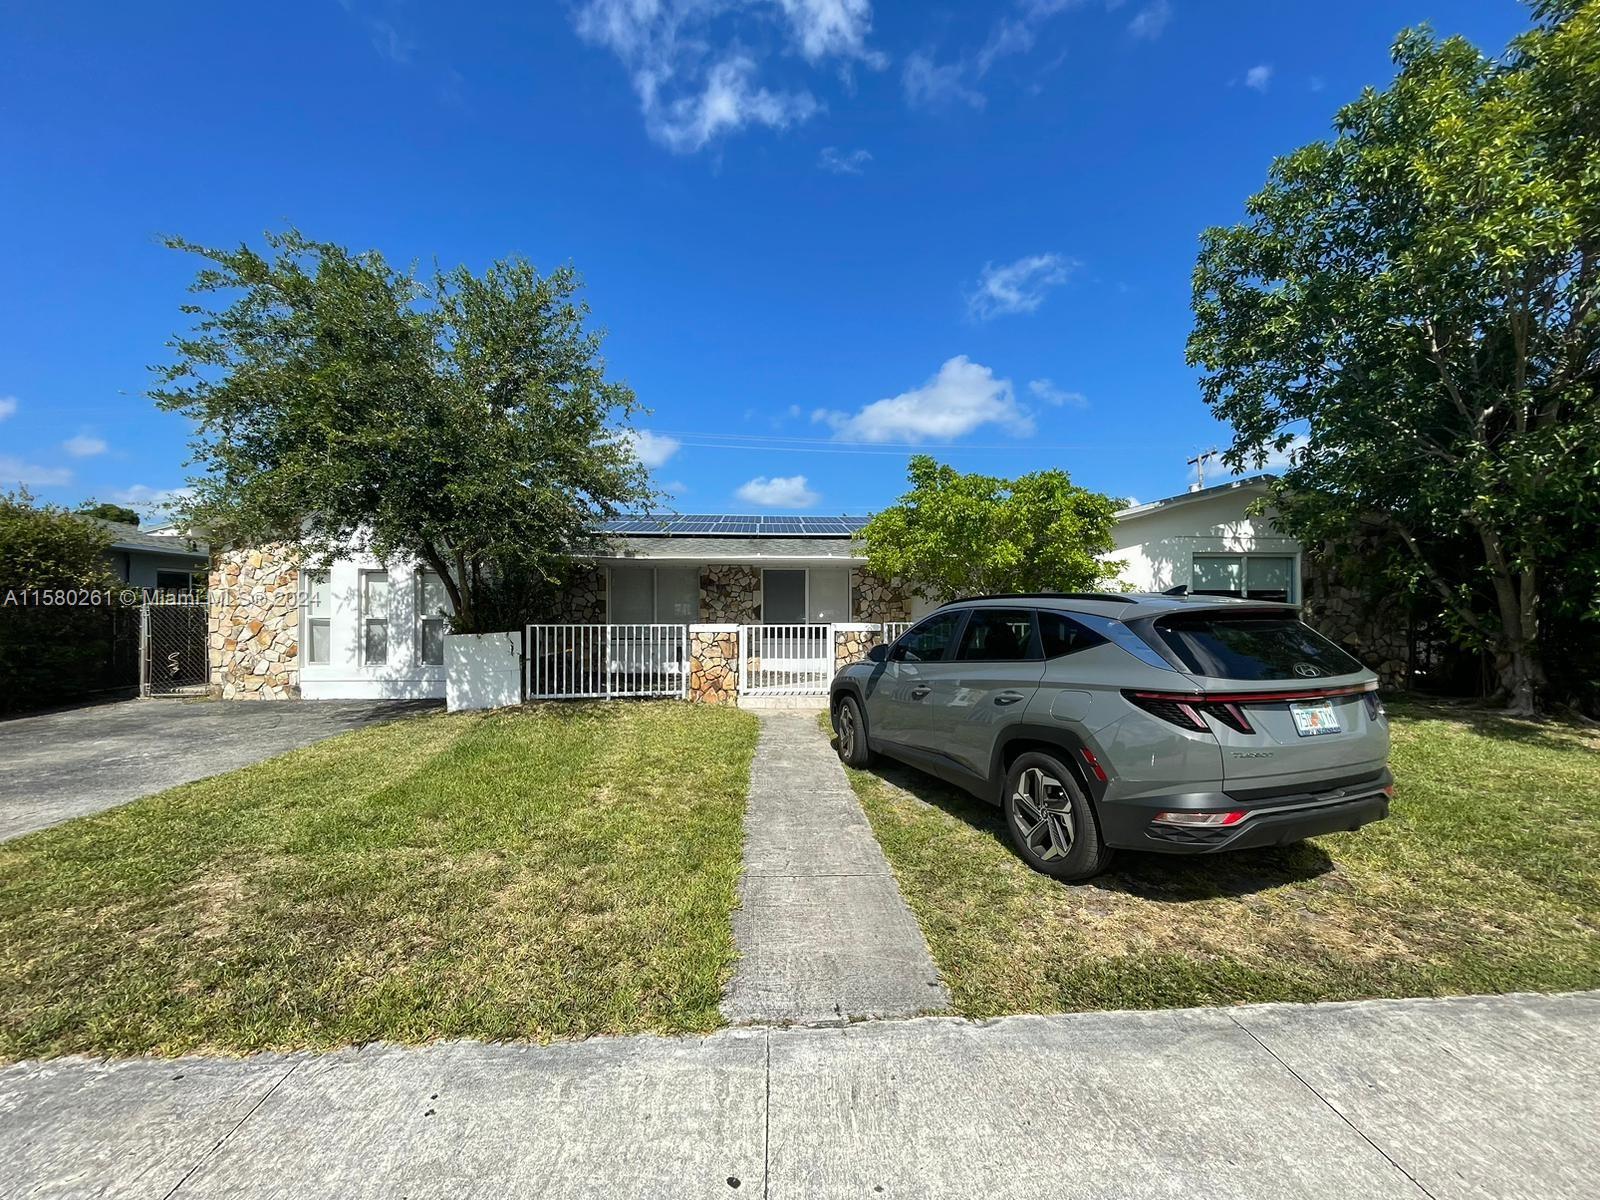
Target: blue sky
[{"x": 820, "y": 232}]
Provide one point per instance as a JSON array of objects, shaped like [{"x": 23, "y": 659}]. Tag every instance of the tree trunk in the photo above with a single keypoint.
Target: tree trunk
[{"x": 1517, "y": 655}]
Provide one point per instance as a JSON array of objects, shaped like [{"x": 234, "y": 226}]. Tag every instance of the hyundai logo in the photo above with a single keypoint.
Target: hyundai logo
[{"x": 1306, "y": 670}]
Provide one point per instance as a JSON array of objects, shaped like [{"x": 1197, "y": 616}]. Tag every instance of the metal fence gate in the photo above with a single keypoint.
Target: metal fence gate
[
  {"x": 570, "y": 662},
  {"x": 174, "y": 648},
  {"x": 785, "y": 660}
]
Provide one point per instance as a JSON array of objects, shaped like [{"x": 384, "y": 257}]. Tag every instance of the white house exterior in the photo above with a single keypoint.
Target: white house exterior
[
  {"x": 365, "y": 630},
  {"x": 1208, "y": 541}
]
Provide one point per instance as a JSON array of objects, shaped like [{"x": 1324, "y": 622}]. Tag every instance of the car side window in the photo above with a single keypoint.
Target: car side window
[
  {"x": 1061, "y": 635},
  {"x": 998, "y": 635},
  {"x": 928, "y": 641}
]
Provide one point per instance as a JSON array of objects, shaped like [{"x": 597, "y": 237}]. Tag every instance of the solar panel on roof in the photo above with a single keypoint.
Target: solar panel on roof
[{"x": 730, "y": 525}]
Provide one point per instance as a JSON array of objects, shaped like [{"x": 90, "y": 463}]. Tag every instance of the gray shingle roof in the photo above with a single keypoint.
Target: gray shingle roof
[{"x": 131, "y": 537}]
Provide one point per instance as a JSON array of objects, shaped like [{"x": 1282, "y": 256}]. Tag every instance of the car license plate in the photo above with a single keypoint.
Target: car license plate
[{"x": 1313, "y": 717}]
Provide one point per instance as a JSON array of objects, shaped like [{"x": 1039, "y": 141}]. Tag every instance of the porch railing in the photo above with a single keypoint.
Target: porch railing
[{"x": 572, "y": 662}]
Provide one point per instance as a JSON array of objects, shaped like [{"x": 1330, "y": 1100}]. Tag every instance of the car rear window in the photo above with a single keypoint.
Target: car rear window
[{"x": 1252, "y": 646}]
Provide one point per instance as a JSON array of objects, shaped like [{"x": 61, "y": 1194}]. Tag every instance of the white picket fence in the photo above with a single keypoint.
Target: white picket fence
[
  {"x": 893, "y": 629},
  {"x": 785, "y": 660},
  {"x": 571, "y": 662}
]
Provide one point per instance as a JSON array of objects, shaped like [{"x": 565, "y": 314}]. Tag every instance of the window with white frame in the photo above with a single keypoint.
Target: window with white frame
[
  {"x": 654, "y": 595},
  {"x": 374, "y": 618},
  {"x": 1250, "y": 576},
  {"x": 433, "y": 605},
  {"x": 319, "y": 617}
]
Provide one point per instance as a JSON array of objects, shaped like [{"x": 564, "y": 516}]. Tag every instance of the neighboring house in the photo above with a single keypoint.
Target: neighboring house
[
  {"x": 370, "y": 630},
  {"x": 1207, "y": 540},
  {"x": 162, "y": 559}
]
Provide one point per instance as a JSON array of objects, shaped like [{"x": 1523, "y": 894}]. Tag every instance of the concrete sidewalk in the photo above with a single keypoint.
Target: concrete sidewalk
[
  {"x": 822, "y": 930},
  {"x": 1475, "y": 1097}
]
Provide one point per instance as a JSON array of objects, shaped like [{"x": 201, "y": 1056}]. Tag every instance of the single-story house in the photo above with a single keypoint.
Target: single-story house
[
  {"x": 164, "y": 558},
  {"x": 365, "y": 629}
]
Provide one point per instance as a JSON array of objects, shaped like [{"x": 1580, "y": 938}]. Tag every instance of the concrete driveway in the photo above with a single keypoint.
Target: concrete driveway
[{"x": 59, "y": 765}]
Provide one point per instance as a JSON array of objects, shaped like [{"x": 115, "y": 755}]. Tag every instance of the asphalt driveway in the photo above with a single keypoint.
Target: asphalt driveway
[{"x": 59, "y": 765}]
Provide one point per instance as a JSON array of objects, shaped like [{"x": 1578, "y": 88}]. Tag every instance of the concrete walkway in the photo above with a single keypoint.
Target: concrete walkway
[
  {"x": 1477, "y": 1097},
  {"x": 823, "y": 933},
  {"x": 64, "y": 764}
]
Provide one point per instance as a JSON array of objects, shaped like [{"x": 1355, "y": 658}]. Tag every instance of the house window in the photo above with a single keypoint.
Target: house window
[
  {"x": 654, "y": 595},
  {"x": 319, "y": 611},
  {"x": 828, "y": 597},
  {"x": 1251, "y": 576},
  {"x": 374, "y": 617},
  {"x": 174, "y": 581},
  {"x": 433, "y": 606}
]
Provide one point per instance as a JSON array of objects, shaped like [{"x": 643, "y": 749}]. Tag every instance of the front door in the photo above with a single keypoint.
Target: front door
[{"x": 783, "y": 597}]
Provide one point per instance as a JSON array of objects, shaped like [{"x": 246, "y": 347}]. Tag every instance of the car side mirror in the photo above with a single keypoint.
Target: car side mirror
[{"x": 878, "y": 653}]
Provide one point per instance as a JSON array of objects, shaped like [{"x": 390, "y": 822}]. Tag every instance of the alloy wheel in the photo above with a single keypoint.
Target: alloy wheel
[
  {"x": 847, "y": 731},
  {"x": 1042, "y": 812}
]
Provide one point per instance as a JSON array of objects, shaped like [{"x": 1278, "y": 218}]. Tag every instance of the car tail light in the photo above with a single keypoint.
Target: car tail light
[
  {"x": 1184, "y": 711},
  {"x": 1375, "y": 707},
  {"x": 1094, "y": 764},
  {"x": 1208, "y": 820}
]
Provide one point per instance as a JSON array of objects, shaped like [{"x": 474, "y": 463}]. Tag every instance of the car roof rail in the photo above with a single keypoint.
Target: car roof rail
[{"x": 1113, "y": 597}]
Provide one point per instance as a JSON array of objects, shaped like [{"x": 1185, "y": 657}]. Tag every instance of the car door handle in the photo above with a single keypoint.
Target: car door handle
[
  {"x": 1008, "y": 697},
  {"x": 921, "y": 690}
]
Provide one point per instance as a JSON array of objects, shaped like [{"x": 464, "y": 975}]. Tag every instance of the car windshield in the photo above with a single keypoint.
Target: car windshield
[{"x": 1252, "y": 646}]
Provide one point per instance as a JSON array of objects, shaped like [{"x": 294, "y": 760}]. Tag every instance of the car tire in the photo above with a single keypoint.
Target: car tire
[
  {"x": 850, "y": 726},
  {"x": 1050, "y": 820}
]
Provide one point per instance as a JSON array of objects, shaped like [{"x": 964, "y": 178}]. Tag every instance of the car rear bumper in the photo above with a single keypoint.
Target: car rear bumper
[{"x": 1269, "y": 821}]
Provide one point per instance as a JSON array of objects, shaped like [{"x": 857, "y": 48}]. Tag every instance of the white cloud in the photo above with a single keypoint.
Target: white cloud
[
  {"x": 84, "y": 446},
  {"x": 652, "y": 449},
  {"x": 1049, "y": 393},
  {"x": 832, "y": 28},
  {"x": 150, "y": 500},
  {"x": 963, "y": 396},
  {"x": 928, "y": 84},
  {"x": 1009, "y": 36},
  {"x": 842, "y": 162},
  {"x": 14, "y": 471},
  {"x": 8, "y": 405},
  {"x": 1151, "y": 20},
  {"x": 692, "y": 90},
  {"x": 1018, "y": 287},
  {"x": 780, "y": 491},
  {"x": 1258, "y": 77}
]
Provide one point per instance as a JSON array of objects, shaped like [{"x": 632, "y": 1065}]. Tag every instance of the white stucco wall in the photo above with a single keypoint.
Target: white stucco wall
[
  {"x": 404, "y": 676},
  {"x": 1158, "y": 546}
]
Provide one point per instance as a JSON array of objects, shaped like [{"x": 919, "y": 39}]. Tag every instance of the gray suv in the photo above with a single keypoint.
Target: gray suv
[{"x": 1174, "y": 723}]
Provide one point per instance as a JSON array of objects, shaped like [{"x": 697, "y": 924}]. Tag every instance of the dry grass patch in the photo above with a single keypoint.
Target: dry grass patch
[
  {"x": 547, "y": 872},
  {"x": 1486, "y": 878}
]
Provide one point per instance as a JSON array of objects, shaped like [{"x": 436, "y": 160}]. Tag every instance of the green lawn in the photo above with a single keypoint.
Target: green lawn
[
  {"x": 548, "y": 872},
  {"x": 1485, "y": 878}
]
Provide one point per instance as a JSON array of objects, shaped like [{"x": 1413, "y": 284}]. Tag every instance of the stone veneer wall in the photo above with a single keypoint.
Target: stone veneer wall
[
  {"x": 582, "y": 598},
  {"x": 730, "y": 594},
  {"x": 878, "y": 599},
  {"x": 713, "y": 666},
  {"x": 1375, "y": 630},
  {"x": 255, "y": 624},
  {"x": 852, "y": 645}
]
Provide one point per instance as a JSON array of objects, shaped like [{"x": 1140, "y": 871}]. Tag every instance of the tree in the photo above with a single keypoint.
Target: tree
[
  {"x": 109, "y": 512},
  {"x": 1409, "y": 312},
  {"x": 953, "y": 534},
  {"x": 463, "y": 420},
  {"x": 50, "y": 650}
]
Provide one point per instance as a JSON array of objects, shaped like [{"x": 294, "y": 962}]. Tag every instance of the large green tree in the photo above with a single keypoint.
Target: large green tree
[
  {"x": 1409, "y": 311},
  {"x": 955, "y": 535},
  {"x": 464, "y": 420}
]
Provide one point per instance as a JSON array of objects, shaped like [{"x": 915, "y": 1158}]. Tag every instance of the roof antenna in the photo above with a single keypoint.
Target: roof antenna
[
  {"x": 1181, "y": 590},
  {"x": 1198, "y": 462}
]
